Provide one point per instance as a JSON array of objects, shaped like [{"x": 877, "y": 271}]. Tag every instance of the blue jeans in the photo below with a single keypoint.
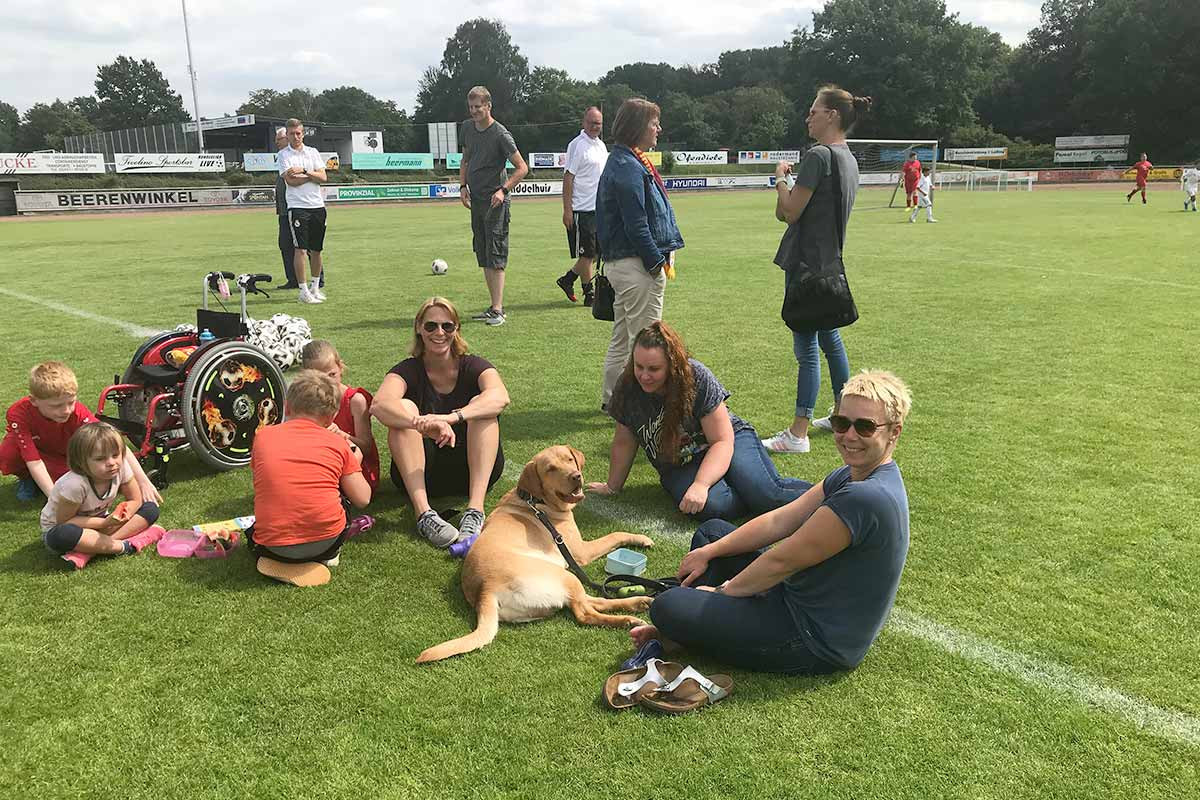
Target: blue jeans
[
  {"x": 808, "y": 377},
  {"x": 756, "y": 633},
  {"x": 751, "y": 485}
]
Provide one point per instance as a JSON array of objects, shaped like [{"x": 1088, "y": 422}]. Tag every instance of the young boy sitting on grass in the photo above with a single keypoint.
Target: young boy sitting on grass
[
  {"x": 38, "y": 428},
  {"x": 301, "y": 472}
]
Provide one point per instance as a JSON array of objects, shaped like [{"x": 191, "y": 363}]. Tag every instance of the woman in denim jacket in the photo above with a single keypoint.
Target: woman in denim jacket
[{"x": 636, "y": 231}]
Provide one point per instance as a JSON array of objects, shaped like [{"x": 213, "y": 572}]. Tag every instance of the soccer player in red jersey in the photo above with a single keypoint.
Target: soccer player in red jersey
[
  {"x": 912, "y": 173},
  {"x": 1143, "y": 167}
]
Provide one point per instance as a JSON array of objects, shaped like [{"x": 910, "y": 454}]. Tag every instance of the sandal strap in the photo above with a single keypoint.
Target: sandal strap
[
  {"x": 652, "y": 676},
  {"x": 711, "y": 689}
]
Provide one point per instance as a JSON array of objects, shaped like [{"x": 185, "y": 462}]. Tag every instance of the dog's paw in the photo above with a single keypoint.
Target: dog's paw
[
  {"x": 634, "y": 622},
  {"x": 641, "y": 603},
  {"x": 640, "y": 540}
]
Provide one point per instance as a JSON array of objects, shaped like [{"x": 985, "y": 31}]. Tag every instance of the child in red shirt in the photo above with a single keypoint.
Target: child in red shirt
[
  {"x": 1143, "y": 167},
  {"x": 301, "y": 470},
  {"x": 353, "y": 417},
  {"x": 38, "y": 428}
]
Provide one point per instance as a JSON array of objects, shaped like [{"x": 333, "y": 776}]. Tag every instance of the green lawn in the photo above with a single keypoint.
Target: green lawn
[{"x": 1050, "y": 461}]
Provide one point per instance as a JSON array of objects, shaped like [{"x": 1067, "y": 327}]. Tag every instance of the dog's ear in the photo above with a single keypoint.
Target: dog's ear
[
  {"x": 578, "y": 456},
  {"x": 531, "y": 480}
]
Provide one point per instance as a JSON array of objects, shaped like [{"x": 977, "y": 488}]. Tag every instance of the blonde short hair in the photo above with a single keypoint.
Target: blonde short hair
[
  {"x": 481, "y": 93},
  {"x": 319, "y": 352},
  {"x": 312, "y": 394},
  {"x": 52, "y": 379},
  {"x": 86, "y": 441},
  {"x": 293, "y": 123},
  {"x": 884, "y": 387},
  {"x": 458, "y": 345}
]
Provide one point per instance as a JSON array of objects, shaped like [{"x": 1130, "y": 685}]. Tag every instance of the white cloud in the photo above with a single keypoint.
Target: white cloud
[{"x": 52, "y": 49}]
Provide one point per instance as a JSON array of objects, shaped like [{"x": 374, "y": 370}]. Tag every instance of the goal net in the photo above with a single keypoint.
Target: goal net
[
  {"x": 879, "y": 162},
  {"x": 972, "y": 179}
]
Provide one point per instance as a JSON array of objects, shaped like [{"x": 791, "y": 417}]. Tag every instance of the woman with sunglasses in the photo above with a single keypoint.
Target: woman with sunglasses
[
  {"x": 709, "y": 460},
  {"x": 816, "y": 226},
  {"x": 442, "y": 409},
  {"x": 806, "y": 588}
]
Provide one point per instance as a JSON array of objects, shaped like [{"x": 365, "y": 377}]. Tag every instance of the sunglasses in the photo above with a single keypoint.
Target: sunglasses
[
  {"x": 448, "y": 327},
  {"x": 864, "y": 427}
]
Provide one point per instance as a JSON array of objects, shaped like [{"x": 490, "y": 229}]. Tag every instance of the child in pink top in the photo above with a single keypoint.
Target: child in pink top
[{"x": 353, "y": 418}]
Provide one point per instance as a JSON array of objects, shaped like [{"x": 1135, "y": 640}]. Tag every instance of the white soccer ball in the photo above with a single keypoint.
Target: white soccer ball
[{"x": 439, "y": 267}]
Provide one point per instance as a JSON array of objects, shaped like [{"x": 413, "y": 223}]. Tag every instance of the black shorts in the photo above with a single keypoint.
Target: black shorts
[
  {"x": 489, "y": 232},
  {"x": 308, "y": 228},
  {"x": 581, "y": 238},
  {"x": 446, "y": 471}
]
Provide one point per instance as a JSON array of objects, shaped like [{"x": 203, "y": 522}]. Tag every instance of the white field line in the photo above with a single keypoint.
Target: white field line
[
  {"x": 1163, "y": 723},
  {"x": 130, "y": 328},
  {"x": 1101, "y": 276}
]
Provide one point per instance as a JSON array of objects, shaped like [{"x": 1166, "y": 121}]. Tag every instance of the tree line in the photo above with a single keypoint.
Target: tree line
[{"x": 1088, "y": 67}]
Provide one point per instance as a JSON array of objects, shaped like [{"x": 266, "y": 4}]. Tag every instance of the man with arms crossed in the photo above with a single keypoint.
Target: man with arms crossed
[
  {"x": 303, "y": 171},
  {"x": 484, "y": 185},
  {"x": 586, "y": 155}
]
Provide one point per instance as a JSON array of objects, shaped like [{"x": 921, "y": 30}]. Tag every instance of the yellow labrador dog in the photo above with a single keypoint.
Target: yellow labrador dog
[{"x": 514, "y": 571}]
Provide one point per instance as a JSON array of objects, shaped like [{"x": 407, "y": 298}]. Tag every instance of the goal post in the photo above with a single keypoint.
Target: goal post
[{"x": 879, "y": 162}]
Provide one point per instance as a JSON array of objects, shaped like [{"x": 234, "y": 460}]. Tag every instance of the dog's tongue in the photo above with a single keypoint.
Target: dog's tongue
[{"x": 576, "y": 497}]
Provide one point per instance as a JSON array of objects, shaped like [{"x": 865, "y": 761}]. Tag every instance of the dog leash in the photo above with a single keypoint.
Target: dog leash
[{"x": 615, "y": 585}]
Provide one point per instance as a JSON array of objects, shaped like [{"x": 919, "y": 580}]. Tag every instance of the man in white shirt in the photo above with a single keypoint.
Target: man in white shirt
[
  {"x": 1190, "y": 181},
  {"x": 924, "y": 197},
  {"x": 586, "y": 156},
  {"x": 303, "y": 171}
]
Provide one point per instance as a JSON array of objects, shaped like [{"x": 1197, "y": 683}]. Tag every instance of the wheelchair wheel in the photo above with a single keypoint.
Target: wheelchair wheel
[{"x": 233, "y": 389}]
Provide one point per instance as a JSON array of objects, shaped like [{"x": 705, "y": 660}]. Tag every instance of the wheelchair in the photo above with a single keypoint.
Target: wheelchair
[{"x": 212, "y": 397}]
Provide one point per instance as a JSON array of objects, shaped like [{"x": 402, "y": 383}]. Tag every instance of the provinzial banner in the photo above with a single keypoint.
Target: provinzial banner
[
  {"x": 42, "y": 163},
  {"x": 690, "y": 157},
  {"x": 392, "y": 161},
  {"x": 169, "y": 162},
  {"x": 404, "y": 191},
  {"x": 268, "y": 162}
]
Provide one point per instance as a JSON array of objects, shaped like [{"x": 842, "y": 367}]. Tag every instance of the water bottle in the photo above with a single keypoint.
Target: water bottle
[{"x": 206, "y": 336}]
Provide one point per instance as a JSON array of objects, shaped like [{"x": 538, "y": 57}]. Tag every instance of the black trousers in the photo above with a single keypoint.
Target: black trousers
[{"x": 286, "y": 250}]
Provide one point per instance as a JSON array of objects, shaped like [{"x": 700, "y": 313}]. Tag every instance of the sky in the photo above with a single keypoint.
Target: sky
[{"x": 52, "y": 49}]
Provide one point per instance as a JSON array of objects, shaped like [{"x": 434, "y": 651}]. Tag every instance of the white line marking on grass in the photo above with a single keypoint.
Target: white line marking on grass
[
  {"x": 129, "y": 328},
  {"x": 1103, "y": 276},
  {"x": 1161, "y": 722}
]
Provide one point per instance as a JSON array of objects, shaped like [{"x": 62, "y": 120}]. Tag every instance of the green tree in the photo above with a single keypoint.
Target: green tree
[
  {"x": 350, "y": 105},
  {"x": 43, "y": 127},
  {"x": 10, "y": 120},
  {"x": 553, "y": 110},
  {"x": 684, "y": 124},
  {"x": 763, "y": 66},
  {"x": 480, "y": 53},
  {"x": 132, "y": 93},
  {"x": 757, "y": 111},
  {"x": 652, "y": 81},
  {"x": 299, "y": 102},
  {"x": 923, "y": 67}
]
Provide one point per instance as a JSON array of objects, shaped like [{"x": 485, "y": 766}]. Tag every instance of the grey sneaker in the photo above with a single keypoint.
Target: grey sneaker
[
  {"x": 823, "y": 424},
  {"x": 482, "y": 315},
  {"x": 439, "y": 532},
  {"x": 494, "y": 317},
  {"x": 471, "y": 523}
]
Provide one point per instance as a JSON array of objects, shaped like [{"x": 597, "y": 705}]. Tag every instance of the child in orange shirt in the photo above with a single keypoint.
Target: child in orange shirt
[
  {"x": 354, "y": 413},
  {"x": 301, "y": 470}
]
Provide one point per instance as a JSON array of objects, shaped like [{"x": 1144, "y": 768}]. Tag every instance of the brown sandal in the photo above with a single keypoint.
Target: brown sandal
[
  {"x": 623, "y": 689},
  {"x": 687, "y": 691}
]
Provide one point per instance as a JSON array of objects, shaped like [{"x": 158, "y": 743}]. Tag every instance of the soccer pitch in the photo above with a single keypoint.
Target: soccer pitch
[{"x": 1043, "y": 642}]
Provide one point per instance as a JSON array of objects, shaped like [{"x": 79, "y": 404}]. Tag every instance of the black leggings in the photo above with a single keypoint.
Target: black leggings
[{"x": 446, "y": 470}]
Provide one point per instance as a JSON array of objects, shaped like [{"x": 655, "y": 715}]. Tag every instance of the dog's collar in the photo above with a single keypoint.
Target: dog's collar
[{"x": 530, "y": 499}]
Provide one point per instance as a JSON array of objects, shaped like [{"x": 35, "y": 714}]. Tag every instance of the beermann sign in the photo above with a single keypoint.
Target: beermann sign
[
  {"x": 41, "y": 163},
  {"x": 169, "y": 162}
]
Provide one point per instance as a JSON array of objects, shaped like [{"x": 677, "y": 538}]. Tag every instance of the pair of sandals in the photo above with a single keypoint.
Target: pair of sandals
[{"x": 665, "y": 686}]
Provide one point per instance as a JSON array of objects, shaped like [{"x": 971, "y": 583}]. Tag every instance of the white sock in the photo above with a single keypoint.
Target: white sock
[{"x": 314, "y": 284}]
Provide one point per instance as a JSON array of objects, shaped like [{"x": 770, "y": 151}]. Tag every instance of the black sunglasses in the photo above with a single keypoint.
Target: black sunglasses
[
  {"x": 431, "y": 326},
  {"x": 864, "y": 427}
]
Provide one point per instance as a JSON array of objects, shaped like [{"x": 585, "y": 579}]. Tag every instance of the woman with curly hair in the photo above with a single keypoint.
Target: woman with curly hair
[{"x": 709, "y": 460}]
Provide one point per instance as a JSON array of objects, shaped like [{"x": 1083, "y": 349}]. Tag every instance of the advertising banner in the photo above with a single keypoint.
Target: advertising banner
[
  {"x": 1090, "y": 155},
  {"x": 1067, "y": 142},
  {"x": 392, "y": 161},
  {"x": 767, "y": 156},
  {"x": 900, "y": 154},
  {"x": 406, "y": 191},
  {"x": 1165, "y": 174},
  {"x": 454, "y": 161},
  {"x": 41, "y": 163},
  {"x": 689, "y": 157},
  {"x": 366, "y": 141},
  {"x": 686, "y": 183},
  {"x": 535, "y": 188},
  {"x": 443, "y": 190},
  {"x": 974, "y": 153},
  {"x": 238, "y": 121},
  {"x": 266, "y": 162},
  {"x": 169, "y": 162},
  {"x": 1077, "y": 175},
  {"x": 78, "y": 200},
  {"x": 547, "y": 160}
]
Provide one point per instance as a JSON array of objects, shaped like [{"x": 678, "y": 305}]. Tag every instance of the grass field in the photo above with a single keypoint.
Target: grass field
[{"x": 1044, "y": 642}]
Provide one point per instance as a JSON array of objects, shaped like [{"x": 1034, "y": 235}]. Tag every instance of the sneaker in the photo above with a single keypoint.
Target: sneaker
[
  {"x": 439, "y": 532},
  {"x": 786, "y": 442},
  {"x": 823, "y": 424},
  {"x": 146, "y": 537},
  {"x": 911, "y": 219},
  {"x": 317, "y": 293},
  {"x": 76, "y": 559},
  {"x": 482, "y": 315},
  {"x": 567, "y": 284},
  {"x": 307, "y": 297},
  {"x": 333, "y": 562},
  {"x": 589, "y": 297},
  {"x": 470, "y": 524},
  {"x": 932, "y": 220},
  {"x": 494, "y": 317},
  {"x": 651, "y": 649},
  {"x": 27, "y": 490}
]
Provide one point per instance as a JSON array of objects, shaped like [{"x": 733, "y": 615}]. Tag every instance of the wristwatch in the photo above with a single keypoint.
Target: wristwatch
[
  {"x": 505, "y": 189},
  {"x": 458, "y": 413}
]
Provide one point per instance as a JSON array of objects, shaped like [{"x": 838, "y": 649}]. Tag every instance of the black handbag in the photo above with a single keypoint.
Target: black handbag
[
  {"x": 602, "y": 303},
  {"x": 817, "y": 297}
]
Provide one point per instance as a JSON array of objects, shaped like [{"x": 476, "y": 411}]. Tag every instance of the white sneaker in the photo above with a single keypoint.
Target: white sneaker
[
  {"x": 307, "y": 297},
  {"x": 786, "y": 442},
  {"x": 823, "y": 423},
  {"x": 333, "y": 562},
  {"x": 932, "y": 220},
  {"x": 318, "y": 293}
]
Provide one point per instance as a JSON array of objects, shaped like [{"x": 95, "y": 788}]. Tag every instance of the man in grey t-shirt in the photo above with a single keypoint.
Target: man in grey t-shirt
[{"x": 484, "y": 186}]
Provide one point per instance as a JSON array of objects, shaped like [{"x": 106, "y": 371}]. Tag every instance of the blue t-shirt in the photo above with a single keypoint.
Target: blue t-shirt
[
  {"x": 840, "y": 605},
  {"x": 643, "y": 413}
]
